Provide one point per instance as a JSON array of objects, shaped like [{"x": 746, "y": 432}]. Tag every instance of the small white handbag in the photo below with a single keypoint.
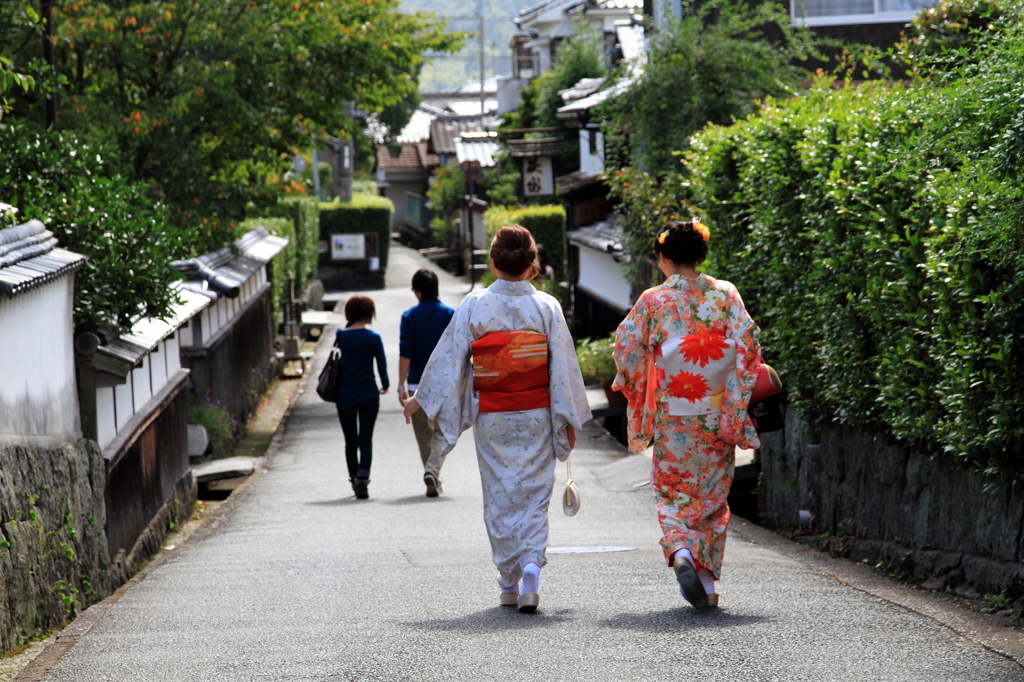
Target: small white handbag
[{"x": 571, "y": 497}]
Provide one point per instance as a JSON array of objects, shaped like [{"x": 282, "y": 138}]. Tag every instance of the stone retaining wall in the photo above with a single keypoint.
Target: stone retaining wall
[
  {"x": 53, "y": 549},
  {"x": 924, "y": 519}
]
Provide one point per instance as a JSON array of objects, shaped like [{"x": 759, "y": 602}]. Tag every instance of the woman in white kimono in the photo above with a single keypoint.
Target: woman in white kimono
[{"x": 507, "y": 366}]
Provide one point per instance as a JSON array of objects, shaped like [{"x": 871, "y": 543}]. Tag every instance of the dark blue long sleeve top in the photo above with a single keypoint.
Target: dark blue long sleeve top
[
  {"x": 359, "y": 348},
  {"x": 422, "y": 327}
]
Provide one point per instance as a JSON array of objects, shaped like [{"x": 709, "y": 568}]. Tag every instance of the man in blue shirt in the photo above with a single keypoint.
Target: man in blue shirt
[{"x": 422, "y": 327}]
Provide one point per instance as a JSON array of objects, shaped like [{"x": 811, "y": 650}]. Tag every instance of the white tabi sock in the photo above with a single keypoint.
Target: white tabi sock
[
  {"x": 510, "y": 590},
  {"x": 531, "y": 579},
  {"x": 683, "y": 554},
  {"x": 707, "y": 579}
]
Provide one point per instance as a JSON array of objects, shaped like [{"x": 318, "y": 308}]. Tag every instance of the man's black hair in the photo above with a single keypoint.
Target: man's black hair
[{"x": 425, "y": 282}]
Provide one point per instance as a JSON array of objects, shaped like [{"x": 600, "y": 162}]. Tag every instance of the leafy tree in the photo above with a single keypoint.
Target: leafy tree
[
  {"x": 579, "y": 56},
  {"x": 130, "y": 240},
  {"x": 205, "y": 99},
  {"x": 714, "y": 65}
]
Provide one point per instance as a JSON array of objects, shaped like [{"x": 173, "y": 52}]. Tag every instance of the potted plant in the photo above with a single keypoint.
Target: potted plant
[{"x": 598, "y": 366}]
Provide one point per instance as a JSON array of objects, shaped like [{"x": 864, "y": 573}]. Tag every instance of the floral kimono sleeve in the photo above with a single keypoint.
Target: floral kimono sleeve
[
  {"x": 445, "y": 390},
  {"x": 735, "y": 425},
  {"x": 635, "y": 365}
]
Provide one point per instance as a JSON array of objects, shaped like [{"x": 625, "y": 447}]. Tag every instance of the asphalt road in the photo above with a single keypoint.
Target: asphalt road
[{"x": 301, "y": 581}]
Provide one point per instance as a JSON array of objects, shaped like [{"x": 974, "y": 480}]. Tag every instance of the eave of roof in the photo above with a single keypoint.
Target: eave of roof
[
  {"x": 605, "y": 236},
  {"x": 227, "y": 268},
  {"x": 480, "y": 147},
  {"x": 146, "y": 334},
  {"x": 547, "y": 146},
  {"x": 29, "y": 258}
]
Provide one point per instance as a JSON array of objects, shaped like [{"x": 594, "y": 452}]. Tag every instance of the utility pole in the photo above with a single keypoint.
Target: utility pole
[
  {"x": 316, "y": 170},
  {"x": 46, "y": 12},
  {"x": 483, "y": 95}
]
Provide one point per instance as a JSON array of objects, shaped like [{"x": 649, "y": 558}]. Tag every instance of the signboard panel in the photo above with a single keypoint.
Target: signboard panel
[
  {"x": 538, "y": 176},
  {"x": 348, "y": 246}
]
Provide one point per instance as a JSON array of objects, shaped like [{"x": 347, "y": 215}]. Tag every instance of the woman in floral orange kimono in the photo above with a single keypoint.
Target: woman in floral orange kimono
[{"x": 687, "y": 357}]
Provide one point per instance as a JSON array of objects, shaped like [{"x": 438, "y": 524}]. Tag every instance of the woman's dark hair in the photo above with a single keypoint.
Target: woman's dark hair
[
  {"x": 359, "y": 309},
  {"x": 683, "y": 244},
  {"x": 513, "y": 251},
  {"x": 425, "y": 282}
]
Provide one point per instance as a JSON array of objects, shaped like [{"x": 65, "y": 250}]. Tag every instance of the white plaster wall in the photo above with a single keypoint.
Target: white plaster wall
[
  {"x": 106, "y": 423},
  {"x": 602, "y": 277},
  {"x": 184, "y": 338},
  {"x": 173, "y": 352},
  {"x": 591, "y": 163},
  {"x": 38, "y": 393},
  {"x": 158, "y": 367},
  {"x": 123, "y": 403},
  {"x": 142, "y": 390}
]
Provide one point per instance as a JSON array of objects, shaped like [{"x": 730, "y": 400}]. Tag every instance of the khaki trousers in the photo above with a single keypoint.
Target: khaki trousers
[{"x": 431, "y": 442}]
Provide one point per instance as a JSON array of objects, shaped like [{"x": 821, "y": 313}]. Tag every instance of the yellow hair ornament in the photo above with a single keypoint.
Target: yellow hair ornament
[
  {"x": 662, "y": 237},
  {"x": 702, "y": 229}
]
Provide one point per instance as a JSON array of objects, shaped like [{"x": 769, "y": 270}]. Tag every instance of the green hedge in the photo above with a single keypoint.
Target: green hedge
[
  {"x": 876, "y": 234},
  {"x": 304, "y": 212},
  {"x": 545, "y": 223},
  {"x": 366, "y": 213},
  {"x": 283, "y": 267}
]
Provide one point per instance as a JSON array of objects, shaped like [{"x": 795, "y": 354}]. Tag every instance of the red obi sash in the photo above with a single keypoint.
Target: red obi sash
[{"x": 510, "y": 370}]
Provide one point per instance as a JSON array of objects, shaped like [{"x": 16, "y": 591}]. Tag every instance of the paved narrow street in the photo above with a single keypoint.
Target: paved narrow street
[{"x": 301, "y": 581}]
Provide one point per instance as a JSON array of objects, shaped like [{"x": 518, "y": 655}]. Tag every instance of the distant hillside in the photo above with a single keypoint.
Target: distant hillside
[{"x": 445, "y": 72}]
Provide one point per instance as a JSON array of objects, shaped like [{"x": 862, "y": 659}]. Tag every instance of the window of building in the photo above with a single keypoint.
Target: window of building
[{"x": 838, "y": 12}]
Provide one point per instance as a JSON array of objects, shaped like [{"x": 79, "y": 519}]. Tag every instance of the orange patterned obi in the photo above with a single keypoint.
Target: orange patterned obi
[{"x": 510, "y": 371}]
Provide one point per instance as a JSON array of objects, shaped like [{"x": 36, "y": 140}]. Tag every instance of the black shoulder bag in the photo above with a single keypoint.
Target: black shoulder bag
[{"x": 330, "y": 377}]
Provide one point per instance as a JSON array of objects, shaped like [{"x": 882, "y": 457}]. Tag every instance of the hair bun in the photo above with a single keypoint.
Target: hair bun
[
  {"x": 514, "y": 251},
  {"x": 683, "y": 242}
]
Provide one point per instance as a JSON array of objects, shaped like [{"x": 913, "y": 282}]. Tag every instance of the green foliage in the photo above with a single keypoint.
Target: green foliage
[
  {"x": 995, "y": 602},
  {"x": 326, "y": 170},
  {"x": 579, "y": 56},
  {"x": 596, "y": 361},
  {"x": 525, "y": 114},
  {"x": 129, "y": 239},
  {"x": 285, "y": 265},
  {"x": 450, "y": 186},
  {"x": 950, "y": 33},
  {"x": 650, "y": 202},
  {"x": 877, "y": 235},
  {"x": 207, "y": 102},
  {"x": 712, "y": 66},
  {"x": 447, "y": 190},
  {"x": 219, "y": 424},
  {"x": 499, "y": 182},
  {"x": 366, "y": 214},
  {"x": 304, "y": 212},
  {"x": 545, "y": 223}
]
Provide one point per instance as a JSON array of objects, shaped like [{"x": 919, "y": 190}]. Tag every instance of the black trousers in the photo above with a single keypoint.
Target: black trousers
[{"x": 357, "y": 425}]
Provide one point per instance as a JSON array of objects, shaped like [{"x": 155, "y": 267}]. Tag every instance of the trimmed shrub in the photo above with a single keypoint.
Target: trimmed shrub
[
  {"x": 284, "y": 265},
  {"x": 545, "y": 223},
  {"x": 877, "y": 235},
  {"x": 304, "y": 212},
  {"x": 365, "y": 214}
]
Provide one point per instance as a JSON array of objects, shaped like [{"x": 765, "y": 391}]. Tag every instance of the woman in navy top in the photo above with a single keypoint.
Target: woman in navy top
[{"x": 358, "y": 396}]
